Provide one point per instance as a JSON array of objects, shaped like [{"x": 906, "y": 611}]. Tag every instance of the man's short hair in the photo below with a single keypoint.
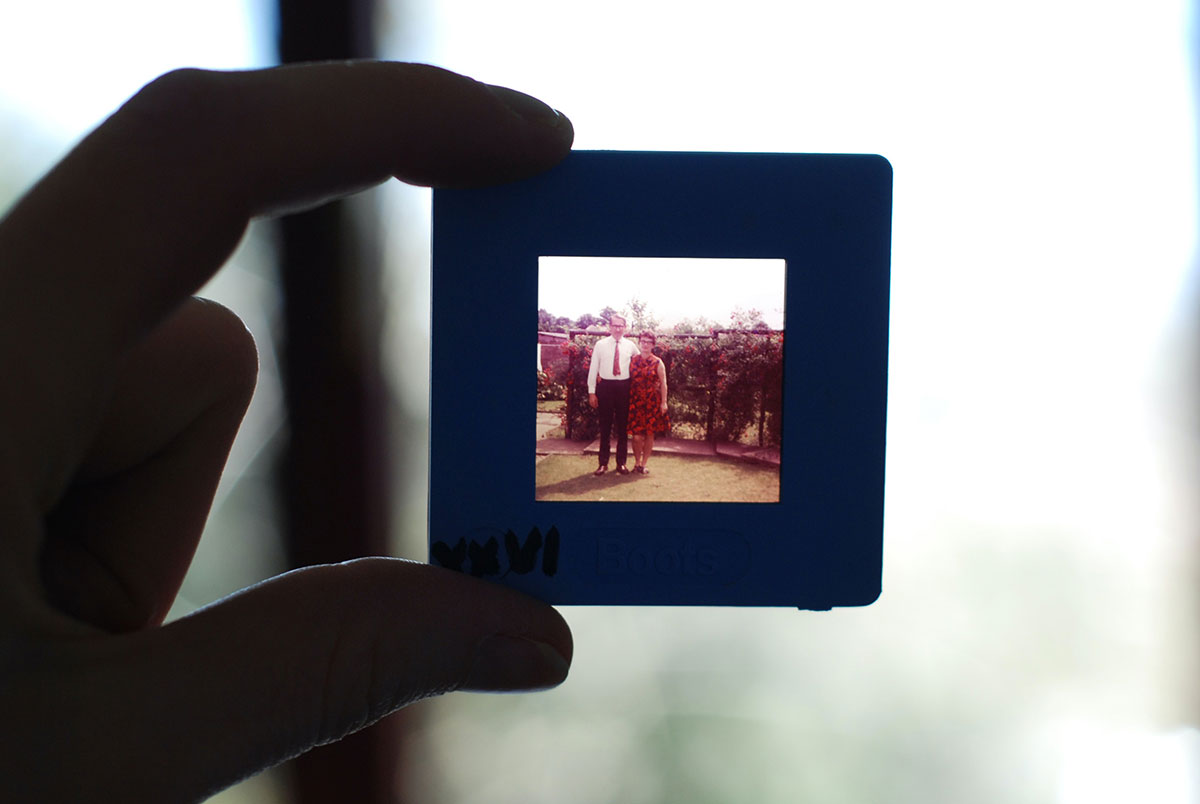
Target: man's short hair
[{"x": 614, "y": 317}]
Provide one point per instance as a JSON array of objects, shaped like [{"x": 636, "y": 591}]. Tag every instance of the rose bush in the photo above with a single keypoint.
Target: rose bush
[
  {"x": 583, "y": 423},
  {"x": 549, "y": 387}
]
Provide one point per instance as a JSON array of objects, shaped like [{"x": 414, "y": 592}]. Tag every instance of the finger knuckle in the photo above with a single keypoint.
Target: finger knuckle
[
  {"x": 176, "y": 95},
  {"x": 354, "y": 692},
  {"x": 177, "y": 110}
]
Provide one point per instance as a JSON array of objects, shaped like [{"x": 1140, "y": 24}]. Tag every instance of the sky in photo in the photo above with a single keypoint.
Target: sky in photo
[{"x": 674, "y": 288}]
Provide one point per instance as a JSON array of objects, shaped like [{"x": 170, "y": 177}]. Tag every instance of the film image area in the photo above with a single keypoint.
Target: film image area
[{"x": 659, "y": 379}]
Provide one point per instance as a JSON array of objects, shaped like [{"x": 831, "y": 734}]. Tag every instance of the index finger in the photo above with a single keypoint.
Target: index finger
[{"x": 150, "y": 204}]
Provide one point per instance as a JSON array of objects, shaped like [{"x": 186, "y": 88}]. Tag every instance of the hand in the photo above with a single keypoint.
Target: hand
[
  {"x": 120, "y": 398},
  {"x": 663, "y": 407},
  {"x": 593, "y": 401}
]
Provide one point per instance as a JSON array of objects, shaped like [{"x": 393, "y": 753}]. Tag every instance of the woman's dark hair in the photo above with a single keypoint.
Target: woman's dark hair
[{"x": 650, "y": 335}]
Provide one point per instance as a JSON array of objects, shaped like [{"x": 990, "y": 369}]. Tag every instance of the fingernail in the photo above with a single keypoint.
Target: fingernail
[
  {"x": 528, "y": 107},
  {"x": 505, "y": 664}
]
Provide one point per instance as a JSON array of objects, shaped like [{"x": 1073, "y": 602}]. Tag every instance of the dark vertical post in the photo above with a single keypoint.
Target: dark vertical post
[
  {"x": 334, "y": 475},
  {"x": 709, "y": 435},
  {"x": 762, "y": 409},
  {"x": 570, "y": 382}
]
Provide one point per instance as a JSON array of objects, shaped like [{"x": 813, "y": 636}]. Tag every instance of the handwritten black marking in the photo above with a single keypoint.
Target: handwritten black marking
[
  {"x": 451, "y": 557},
  {"x": 484, "y": 557},
  {"x": 550, "y": 556},
  {"x": 521, "y": 557}
]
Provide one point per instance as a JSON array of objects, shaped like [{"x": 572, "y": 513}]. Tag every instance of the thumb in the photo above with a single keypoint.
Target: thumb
[{"x": 305, "y": 659}]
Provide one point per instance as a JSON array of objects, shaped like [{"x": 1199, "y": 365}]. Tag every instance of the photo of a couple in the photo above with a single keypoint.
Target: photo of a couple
[
  {"x": 629, "y": 392},
  {"x": 686, "y": 376}
]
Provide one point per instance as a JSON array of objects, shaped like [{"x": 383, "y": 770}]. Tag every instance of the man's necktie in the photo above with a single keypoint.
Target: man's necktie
[{"x": 616, "y": 358}]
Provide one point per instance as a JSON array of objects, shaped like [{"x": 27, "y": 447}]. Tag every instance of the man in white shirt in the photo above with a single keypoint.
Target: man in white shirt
[{"x": 608, "y": 390}]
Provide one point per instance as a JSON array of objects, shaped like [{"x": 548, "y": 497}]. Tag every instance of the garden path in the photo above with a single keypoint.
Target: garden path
[
  {"x": 673, "y": 446},
  {"x": 547, "y": 422}
]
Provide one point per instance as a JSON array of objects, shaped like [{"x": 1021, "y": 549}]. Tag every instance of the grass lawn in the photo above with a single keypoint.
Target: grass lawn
[{"x": 672, "y": 478}]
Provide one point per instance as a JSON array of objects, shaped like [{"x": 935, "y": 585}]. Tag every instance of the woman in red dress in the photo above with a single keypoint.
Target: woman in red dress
[{"x": 647, "y": 401}]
